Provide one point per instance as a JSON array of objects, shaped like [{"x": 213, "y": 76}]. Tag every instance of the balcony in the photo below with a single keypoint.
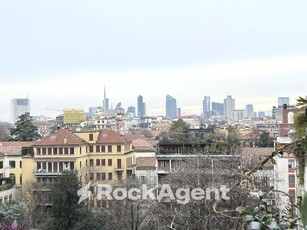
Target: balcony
[
  {"x": 118, "y": 168},
  {"x": 163, "y": 170},
  {"x": 43, "y": 172}
]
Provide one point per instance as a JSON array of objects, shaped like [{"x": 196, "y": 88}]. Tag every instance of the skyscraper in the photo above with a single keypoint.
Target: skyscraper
[
  {"x": 206, "y": 107},
  {"x": 105, "y": 103},
  {"x": 171, "y": 107},
  {"x": 229, "y": 106},
  {"x": 218, "y": 108},
  {"x": 19, "y": 106},
  {"x": 282, "y": 101},
  {"x": 249, "y": 110},
  {"x": 141, "y": 107}
]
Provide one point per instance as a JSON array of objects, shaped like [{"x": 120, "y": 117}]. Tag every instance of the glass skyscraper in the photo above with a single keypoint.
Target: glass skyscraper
[
  {"x": 171, "y": 107},
  {"x": 19, "y": 106}
]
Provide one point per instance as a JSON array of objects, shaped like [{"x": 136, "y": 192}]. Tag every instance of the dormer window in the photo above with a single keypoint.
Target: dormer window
[{"x": 91, "y": 137}]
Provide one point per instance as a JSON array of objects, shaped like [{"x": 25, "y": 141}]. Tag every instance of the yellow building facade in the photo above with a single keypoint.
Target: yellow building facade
[{"x": 99, "y": 156}]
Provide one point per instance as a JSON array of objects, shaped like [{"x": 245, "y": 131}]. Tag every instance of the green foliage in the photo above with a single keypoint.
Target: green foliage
[
  {"x": 265, "y": 140},
  {"x": 65, "y": 210},
  {"x": 178, "y": 131},
  {"x": 25, "y": 130},
  {"x": 10, "y": 212},
  {"x": 304, "y": 210},
  {"x": 300, "y": 124}
]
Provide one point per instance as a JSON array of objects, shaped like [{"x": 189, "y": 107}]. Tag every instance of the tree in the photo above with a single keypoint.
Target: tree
[
  {"x": 265, "y": 140},
  {"x": 4, "y": 128},
  {"x": 10, "y": 212},
  {"x": 24, "y": 129},
  {"x": 65, "y": 210}
]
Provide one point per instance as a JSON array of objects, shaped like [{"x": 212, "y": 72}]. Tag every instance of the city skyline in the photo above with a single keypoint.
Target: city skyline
[{"x": 62, "y": 58}]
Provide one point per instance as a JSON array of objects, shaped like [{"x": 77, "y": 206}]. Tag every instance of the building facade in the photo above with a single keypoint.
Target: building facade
[
  {"x": 229, "y": 106},
  {"x": 141, "y": 106},
  {"x": 206, "y": 107},
  {"x": 171, "y": 107},
  {"x": 19, "y": 106}
]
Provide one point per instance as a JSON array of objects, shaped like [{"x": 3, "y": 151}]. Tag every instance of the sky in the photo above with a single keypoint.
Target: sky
[{"x": 61, "y": 54}]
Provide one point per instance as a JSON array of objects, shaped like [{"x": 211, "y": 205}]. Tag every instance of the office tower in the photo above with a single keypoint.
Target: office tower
[
  {"x": 131, "y": 111},
  {"x": 19, "y": 106},
  {"x": 171, "y": 107},
  {"x": 178, "y": 111},
  {"x": 105, "y": 103},
  {"x": 229, "y": 106},
  {"x": 261, "y": 114},
  {"x": 141, "y": 107},
  {"x": 218, "y": 108},
  {"x": 249, "y": 110},
  {"x": 92, "y": 111},
  {"x": 282, "y": 101},
  {"x": 206, "y": 107}
]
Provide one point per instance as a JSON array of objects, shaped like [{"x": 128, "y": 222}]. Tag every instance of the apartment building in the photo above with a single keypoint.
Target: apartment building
[{"x": 103, "y": 156}]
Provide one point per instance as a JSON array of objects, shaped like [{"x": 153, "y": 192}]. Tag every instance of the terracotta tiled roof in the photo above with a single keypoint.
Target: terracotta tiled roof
[
  {"x": 110, "y": 136},
  {"x": 142, "y": 143},
  {"x": 1, "y": 155},
  {"x": 14, "y": 147},
  {"x": 146, "y": 162},
  {"x": 61, "y": 137}
]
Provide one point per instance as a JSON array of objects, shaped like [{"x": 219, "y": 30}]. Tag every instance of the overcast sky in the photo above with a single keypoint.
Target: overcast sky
[{"x": 61, "y": 53}]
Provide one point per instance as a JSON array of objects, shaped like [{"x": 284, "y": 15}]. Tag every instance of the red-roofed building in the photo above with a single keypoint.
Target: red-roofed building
[{"x": 100, "y": 156}]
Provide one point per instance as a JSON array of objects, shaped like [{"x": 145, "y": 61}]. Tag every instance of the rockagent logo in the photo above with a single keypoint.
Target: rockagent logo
[{"x": 162, "y": 193}]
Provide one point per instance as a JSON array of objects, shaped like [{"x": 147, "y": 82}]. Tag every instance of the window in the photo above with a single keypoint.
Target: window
[
  {"x": 72, "y": 165},
  {"x": 109, "y": 148},
  {"x": 66, "y": 151},
  {"x": 143, "y": 179},
  {"x": 119, "y": 176},
  {"x": 80, "y": 164},
  {"x": 97, "y": 148},
  {"x": 98, "y": 176},
  {"x": 119, "y": 148},
  {"x": 80, "y": 150},
  {"x": 55, "y": 151},
  {"x": 39, "y": 152},
  {"x": 91, "y": 137},
  {"x": 97, "y": 162},
  {"x": 72, "y": 151},
  {"x": 109, "y": 162},
  {"x": 291, "y": 164},
  {"x": 91, "y": 176},
  {"x": 91, "y": 162},
  {"x": 91, "y": 148},
  {"x": 60, "y": 151},
  {"x": 110, "y": 176},
  {"x": 39, "y": 165},
  {"x": 49, "y": 151},
  {"x": 291, "y": 179},
  {"x": 1, "y": 164},
  {"x": 20, "y": 164},
  {"x": 103, "y": 162},
  {"x": 61, "y": 167},
  {"x": 12, "y": 164},
  {"x": 44, "y": 151},
  {"x": 103, "y": 148},
  {"x": 44, "y": 165},
  {"x": 103, "y": 176}
]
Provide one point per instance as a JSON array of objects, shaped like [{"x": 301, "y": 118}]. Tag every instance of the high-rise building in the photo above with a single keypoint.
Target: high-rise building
[
  {"x": 141, "y": 107},
  {"x": 178, "y": 111},
  {"x": 282, "y": 101},
  {"x": 261, "y": 114},
  {"x": 249, "y": 110},
  {"x": 131, "y": 111},
  {"x": 229, "y": 106},
  {"x": 171, "y": 107},
  {"x": 19, "y": 106},
  {"x": 218, "y": 108},
  {"x": 92, "y": 111},
  {"x": 105, "y": 103},
  {"x": 206, "y": 107}
]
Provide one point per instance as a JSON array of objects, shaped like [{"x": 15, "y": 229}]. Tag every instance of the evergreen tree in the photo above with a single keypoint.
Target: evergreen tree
[
  {"x": 24, "y": 129},
  {"x": 265, "y": 140},
  {"x": 65, "y": 210}
]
